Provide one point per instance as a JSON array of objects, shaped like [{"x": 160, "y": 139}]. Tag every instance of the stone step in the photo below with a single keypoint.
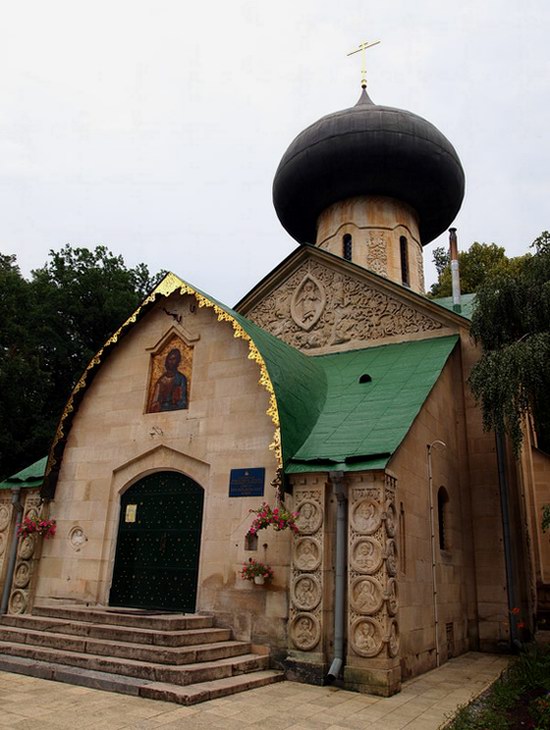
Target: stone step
[
  {"x": 160, "y": 654},
  {"x": 182, "y": 674},
  {"x": 188, "y": 695},
  {"x": 110, "y": 632},
  {"x": 156, "y": 620}
]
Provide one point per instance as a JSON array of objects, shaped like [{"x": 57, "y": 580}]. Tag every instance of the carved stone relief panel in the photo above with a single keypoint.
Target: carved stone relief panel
[
  {"x": 377, "y": 256},
  {"x": 306, "y": 585},
  {"x": 319, "y": 307},
  {"x": 372, "y": 623},
  {"x": 20, "y": 597}
]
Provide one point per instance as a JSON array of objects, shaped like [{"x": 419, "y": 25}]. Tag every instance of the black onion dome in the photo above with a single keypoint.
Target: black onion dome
[{"x": 368, "y": 150}]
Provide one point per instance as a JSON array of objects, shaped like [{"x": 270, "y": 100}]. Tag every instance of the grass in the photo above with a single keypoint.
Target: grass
[{"x": 519, "y": 699}]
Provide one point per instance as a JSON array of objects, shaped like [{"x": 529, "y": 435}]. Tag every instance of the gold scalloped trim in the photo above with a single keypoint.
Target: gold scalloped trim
[{"x": 165, "y": 288}]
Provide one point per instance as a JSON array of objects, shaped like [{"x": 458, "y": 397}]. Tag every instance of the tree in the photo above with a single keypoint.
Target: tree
[
  {"x": 512, "y": 323},
  {"x": 480, "y": 261},
  {"x": 51, "y": 327},
  {"x": 24, "y": 385}
]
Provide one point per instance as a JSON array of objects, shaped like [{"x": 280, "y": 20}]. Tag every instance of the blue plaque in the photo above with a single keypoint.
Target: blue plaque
[{"x": 247, "y": 482}]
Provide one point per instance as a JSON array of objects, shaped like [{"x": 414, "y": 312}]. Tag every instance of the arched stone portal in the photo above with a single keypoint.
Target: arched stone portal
[{"x": 158, "y": 543}]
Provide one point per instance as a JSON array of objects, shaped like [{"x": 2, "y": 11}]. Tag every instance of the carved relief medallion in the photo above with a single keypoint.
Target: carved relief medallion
[
  {"x": 305, "y": 631},
  {"x": 26, "y": 547},
  {"x": 307, "y": 554},
  {"x": 306, "y": 592},
  {"x": 366, "y": 637},
  {"x": 391, "y": 557},
  {"x": 22, "y": 575},
  {"x": 32, "y": 513},
  {"x": 5, "y": 514},
  {"x": 366, "y": 516},
  {"x": 366, "y": 595},
  {"x": 310, "y": 517},
  {"x": 391, "y": 596},
  {"x": 393, "y": 639},
  {"x": 2, "y": 544},
  {"x": 308, "y": 303},
  {"x": 366, "y": 556},
  {"x": 18, "y": 602},
  {"x": 77, "y": 538},
  {"x": 391, "y": 519}
]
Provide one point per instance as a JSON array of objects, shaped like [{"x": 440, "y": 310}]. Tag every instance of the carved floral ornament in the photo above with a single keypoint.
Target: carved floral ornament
[{"x": 319, "y": 307}]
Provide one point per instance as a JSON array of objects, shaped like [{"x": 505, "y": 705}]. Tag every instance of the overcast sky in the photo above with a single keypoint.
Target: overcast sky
[{"x": 156, "y": 126}]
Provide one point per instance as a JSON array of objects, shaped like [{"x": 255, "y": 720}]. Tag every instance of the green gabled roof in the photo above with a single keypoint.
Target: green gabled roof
[
  {"x": 362, "y": 424},
  {"x": 467, "y": 303},
  {"x": 31, "y": 476}
]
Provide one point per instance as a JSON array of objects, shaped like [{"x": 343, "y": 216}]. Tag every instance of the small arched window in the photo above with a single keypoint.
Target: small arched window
[
  {"x": 346, "y": 246},
  {"x": 404, "y": 255},
  {"x": 365, "y": 378},
  {"x": 443, "y": 518}
]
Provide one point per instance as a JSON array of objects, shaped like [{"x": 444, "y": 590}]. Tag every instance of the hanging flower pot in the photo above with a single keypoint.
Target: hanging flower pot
[
  {"x": 277, "y": 517},
  {"x": 259, "y": 580},
  {"x": 33, "y": 525}
]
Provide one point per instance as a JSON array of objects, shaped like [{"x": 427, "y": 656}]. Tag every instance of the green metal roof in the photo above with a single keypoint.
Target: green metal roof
[
  {"x": 31, "y": 476},
  {"x": 362, "y": 424},
  {"x": 299, "y": 381},
  {"x": 467, "y": 303}
]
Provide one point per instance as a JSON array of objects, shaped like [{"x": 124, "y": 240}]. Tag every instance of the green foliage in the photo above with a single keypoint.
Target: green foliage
[
  {"x": 50, "y": 327},
  {"x": 512, "y": 323},
  {"x": 521, "y": 690},
  {"x": 476, "y": 264},
  {"x": 545, "y": 517}
]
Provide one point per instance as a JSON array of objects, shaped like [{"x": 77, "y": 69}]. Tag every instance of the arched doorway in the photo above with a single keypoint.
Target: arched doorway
[{"x": 158, "y": 543}]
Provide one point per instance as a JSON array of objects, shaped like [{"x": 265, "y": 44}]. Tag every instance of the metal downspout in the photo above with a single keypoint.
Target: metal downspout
[
  {"x": 18, "y": 509},
  {"x": 337, "y": 479},
  {"x": 429, "y": 447},
  {"x": 507, "y": 540}
]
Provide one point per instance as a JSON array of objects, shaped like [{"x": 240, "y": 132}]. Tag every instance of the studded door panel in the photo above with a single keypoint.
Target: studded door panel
[{"x": 157, "y": 555}]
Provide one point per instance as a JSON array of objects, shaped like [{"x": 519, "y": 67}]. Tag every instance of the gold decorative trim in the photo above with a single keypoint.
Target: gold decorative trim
[{"x": 165, "y": 288}]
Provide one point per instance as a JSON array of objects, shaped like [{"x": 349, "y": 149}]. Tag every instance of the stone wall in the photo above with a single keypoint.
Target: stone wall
[
  {"x": 114, "y": 442},
  {"x": 441, "y": 419}
]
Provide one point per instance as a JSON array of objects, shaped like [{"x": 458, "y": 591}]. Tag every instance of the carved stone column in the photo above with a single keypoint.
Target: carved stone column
[
  {"x": 372, "y": 663},
  {"x": 28, "y": 552},
  {"x": 306, "y": 657}
]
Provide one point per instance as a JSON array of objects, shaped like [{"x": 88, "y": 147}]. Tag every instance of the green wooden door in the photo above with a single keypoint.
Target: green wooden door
[{"x": 158, "y": 544}]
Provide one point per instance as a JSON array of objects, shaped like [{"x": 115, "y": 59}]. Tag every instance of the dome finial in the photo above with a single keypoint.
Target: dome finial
[{"x": 363, "y": 47}]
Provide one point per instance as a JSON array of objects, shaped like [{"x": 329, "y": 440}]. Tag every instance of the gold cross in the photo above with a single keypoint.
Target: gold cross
[{"x": 363, "y": 47}]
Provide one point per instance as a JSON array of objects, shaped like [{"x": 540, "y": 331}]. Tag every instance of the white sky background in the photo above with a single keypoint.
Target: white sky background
[{"x": 156, "y": 126}]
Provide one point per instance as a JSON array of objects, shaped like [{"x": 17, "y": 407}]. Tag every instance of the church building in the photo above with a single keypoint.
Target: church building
[{"x": 331, "y": 401}]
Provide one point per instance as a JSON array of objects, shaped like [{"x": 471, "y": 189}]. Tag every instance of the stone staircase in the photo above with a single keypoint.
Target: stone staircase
[{"x": 173, "y": 657}]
